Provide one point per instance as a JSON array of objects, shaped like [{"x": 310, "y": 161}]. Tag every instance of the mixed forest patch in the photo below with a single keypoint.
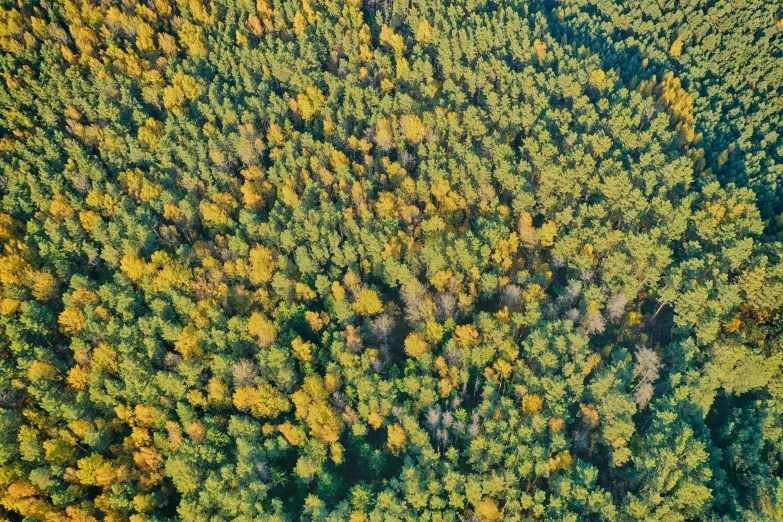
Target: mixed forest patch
[{"x": 356, "y": 261}]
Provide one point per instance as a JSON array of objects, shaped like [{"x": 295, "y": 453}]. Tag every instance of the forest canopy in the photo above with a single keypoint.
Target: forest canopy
[{"x": 380, "y": 260}]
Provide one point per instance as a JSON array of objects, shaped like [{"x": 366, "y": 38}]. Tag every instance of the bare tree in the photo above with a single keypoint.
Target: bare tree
[
  {"x": 447, "y": 306},
  {"x": 648, "y": 364},
  {"x": 418, "y": 304},
  {"x": 243, "y": 372},
  {"x": 447, "y": 419},
  {"x": 647, "y": 367},
  {"x": 455, "y": 357},
  {"x": 382, "y": 327},
  {"x": 594, "y": 323},
  {"x": 432, "y": 418},
  {"x": 510, "y": 296},
  {"x": 615, "y": 307},
  {"x": 643, "y": 394}
]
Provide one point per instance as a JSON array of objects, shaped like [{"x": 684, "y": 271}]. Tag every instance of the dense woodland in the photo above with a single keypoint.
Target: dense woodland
[{"x": 384, "y": 260}]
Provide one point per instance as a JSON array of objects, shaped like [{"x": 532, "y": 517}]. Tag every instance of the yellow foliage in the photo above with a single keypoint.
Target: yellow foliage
[
  {"x": 592, "y": 361},
  {"x": 262, "y": 400},
  {"x": 560, "y": 461},
  {"x": 251, "y": 193},
  {"x": 487, "y": 510},
  {"x": 217, "y": 391},
  {"x": 589, "y": 414},
  {"x": 441, "y": 366},
  {"x": 412, "y": 128},
  {"x": 174, "y": 434},
  {"x": 304, "y": 292},
  {"x": 433, "y": 331},
  {"x": 78, "y": 377},
  {"x": 200, "y": 13},
  {"x": 678, "y": 102},
  {"x": 503, "y": 368},
  {"x": 540, "y": 48},
  {"x": 262, "y": 265},
  {"x": 144, "y": 37},
  {"x": 440, "y": 279},
  {"x": 8, "y": 227},
  {"x": 134, "y": 268},
  {"x": 424, "y": 32},
  {"x": 367, "y": 303},
  {"x": 183, "y": 88},
  {"x": 59, "y": 451},
  {"x": 331, "y": 382},
  {"x": 676, "y": 49},
  {"x": 138, "y": 437},
  {"x": 138, "y": 187},
  {"x": 337, "y": 452},
  {"x": 167, "y": 44},
  {"x": 84, "y": 297},
  {"x": 386, "y": 205},
  {"x": 310, "y": 102},
  {"x": 88, "y": 219},
  {"x": 103, "y": 313},
  {"x": 597, "y": 77},
  {"x": 375, "y": 420},
  {"x": 68, "y": 55},
  {"x": 11, "y": 268},
  {"x": 103, "y": 357},
  {"x": 314, "y": 320},
  {"x": 396, "y": 438},
  {"x": 196, "y": 398},
  {"x": 254, "y": 25},
  {"x": 366, "y": 55},
  {"x": 445, "y": 387},
  {"x": 289, "y": 196},
  {"x": 302, "y": 349},
  {"x": 123, "y": 412},
  {"x": 72, "y": 320},
  {"x": 274, "y": 135},
  {"x": 466, "y": 336},
  {"x": 264, "y": 330},
  {"x": 143, "y": 504},
  {"x": 145, "y": 415},
  {"x": 147, "y": 459},
  {"x": 415, "y": 346},
  {"x": 9, "y": 306},
  {"x": 187, "y": 343},
  {"x": 192, "y": 37},
  {"x": 383, "y": 132},
  {"x": 358, "y": 516},
  {"x": 214, "y": 214},
  {"x": 734, "y": 325},
  {"x": 532, "y": 403},
  {"x": 547, "y": 233},
  {"x": 149, "y": 135},
  {"x": 60, "y": 208},
  {"x": 196, "y": 431},
  {"x": 21, "y": 489},
  {"x": 338, "y": 292},
  {"x": 403, "y": 67},
  {"x": 293, "y": 434},
  {"x": 300, "y": 24},
  {"x": 634, "y": 318},
  {"x": 393, "y": 40},
  {"x": 42, "y": 284},
  {"x": 312, "y": 406},
  {"x": 42, "y": 371}
]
